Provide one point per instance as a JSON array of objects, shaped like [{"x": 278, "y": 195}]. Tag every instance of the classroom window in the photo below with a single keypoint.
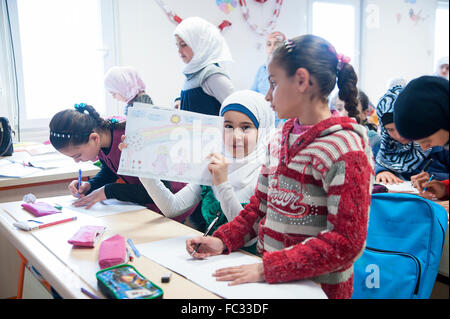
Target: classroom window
[
  {"x": 338, "y": 23},
  {"x": 61, "y": 49},
  {"x": 441, "y": 44}
]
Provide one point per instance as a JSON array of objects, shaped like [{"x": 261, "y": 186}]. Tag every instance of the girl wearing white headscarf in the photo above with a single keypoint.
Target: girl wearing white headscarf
[
  {"x": 125, "y": 85},
  {"x": 203, "y": 48},
  {"x": 442, "y": 68},
  {"x": 246, "y": 113}
]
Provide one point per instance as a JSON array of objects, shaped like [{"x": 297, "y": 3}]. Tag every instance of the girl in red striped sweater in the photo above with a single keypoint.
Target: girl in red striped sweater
[{"x": 311, "y": 204}]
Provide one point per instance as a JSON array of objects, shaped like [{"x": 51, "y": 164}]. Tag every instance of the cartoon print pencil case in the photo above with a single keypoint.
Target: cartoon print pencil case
[
  {"x": 112, "y": 252},
  {"x": 87, "y": 236},
  {"x": 125, "y": 282},
  {"x": 39, "y": 209}
]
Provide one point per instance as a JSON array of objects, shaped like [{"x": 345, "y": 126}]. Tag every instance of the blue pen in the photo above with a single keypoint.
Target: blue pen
[
  {"x": 431, "y": 177},
  {"x": 79, "y": 181}
]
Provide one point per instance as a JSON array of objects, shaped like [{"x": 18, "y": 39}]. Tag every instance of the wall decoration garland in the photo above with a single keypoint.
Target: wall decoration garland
[
  {"x": 270, "y": 25},
  {"x": 176, "y": 18}
]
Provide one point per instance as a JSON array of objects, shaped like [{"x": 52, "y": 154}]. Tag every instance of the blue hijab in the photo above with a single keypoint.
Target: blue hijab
[{"x": 395, "y": 156}]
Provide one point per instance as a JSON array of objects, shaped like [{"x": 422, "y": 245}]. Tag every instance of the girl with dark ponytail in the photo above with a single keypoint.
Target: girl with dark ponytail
[
  {"x": 83, "y": 135},
  {"x": 310, "y": 223}
]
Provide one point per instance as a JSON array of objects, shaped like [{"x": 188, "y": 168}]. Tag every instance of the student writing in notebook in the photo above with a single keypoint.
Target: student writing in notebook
[
  {"x": 399, "y": 158},
  {"x": 304, "y": 212},
  {"x": 248, "y": 123},
  {"x": 421, "y": 114},
  {"x": 82, "y": 134}
]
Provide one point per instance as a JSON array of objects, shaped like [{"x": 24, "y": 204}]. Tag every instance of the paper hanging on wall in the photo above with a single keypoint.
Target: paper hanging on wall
[
  {"x": 170, "y": 144},
  {"x": 227, "y": 5}
]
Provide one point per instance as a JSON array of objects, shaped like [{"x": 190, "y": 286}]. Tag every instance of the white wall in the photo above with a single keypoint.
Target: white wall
[
  {"x": 395, "y": 48},
  {"x": 145, "y": 39},
  {"x": 389, "y": 47}
]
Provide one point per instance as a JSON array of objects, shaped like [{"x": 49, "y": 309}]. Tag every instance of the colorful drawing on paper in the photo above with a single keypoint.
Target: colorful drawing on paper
[
  {"x": 227, "y": 5},
  {"x": 170, "y": 144}
]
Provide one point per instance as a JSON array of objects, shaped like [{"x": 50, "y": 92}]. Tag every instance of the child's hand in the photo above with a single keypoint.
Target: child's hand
[
  {"x": 420, "y": 179},
  {"x": 122, "y": 145},
  {"x": 241, "y": 274},
  {"x": 386, "y": 177},
  {"x": 210, "y": 246},
  {"x": 218, "y": 167},
  {"x": 434, "y": 190},
  {"x": 84, "y": 188},
  {"x": 96, "y": 196}
]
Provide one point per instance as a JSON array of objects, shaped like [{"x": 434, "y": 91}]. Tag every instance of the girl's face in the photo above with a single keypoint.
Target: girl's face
[
  {"x": 440, "y": 138},
  {"x": 118, "y": 97},
  {"x": 84, "y": 152},
  {"x": 392, "y": 130},
  {"x": 340, "y": 107},
  {"x": 185, "y": 51},
  {"x": 240, "y": 134},
  {"x": 282, "y": 92},
  {"x": 443, "y": 70}
]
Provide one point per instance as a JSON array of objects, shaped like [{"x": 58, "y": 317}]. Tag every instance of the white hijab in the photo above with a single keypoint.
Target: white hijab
[
  {"x": 205, "y": 40},
  {"x": 243, "y": 173}
]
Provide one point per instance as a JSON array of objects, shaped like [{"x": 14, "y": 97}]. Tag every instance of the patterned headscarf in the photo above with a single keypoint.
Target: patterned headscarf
[
  {"x": 395, "y": 156},
  {"x": 124, "y": 81}
]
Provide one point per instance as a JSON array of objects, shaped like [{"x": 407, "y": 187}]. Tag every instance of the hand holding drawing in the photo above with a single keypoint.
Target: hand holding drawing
[
  {"x": 83, "y": 189},
  {"x": 386, "y": 177},
  {"x": 89, "y": 200},
  {"x": 241, "y": 274},
  {"x": 210, "y": 246},
  {"x": 218, "y": 167},
  {"x": 122, "y": 145}
]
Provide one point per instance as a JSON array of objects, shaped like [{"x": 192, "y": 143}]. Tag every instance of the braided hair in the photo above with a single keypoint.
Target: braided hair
[
  {"x": 319, "y": 57},
  {"x": 74, "y": 126}
]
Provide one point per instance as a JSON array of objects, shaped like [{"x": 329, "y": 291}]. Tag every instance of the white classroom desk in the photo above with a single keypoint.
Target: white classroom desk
[
  {"x": 43, "y": 183},
  {"x": 68, "y": 269}
]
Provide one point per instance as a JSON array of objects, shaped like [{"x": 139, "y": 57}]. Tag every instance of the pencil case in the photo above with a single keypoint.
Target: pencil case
[
  {"x": 112, "y": 251},
  {"x": 125, "y": 282},
  {"x": 39, "y": 209},
  {"x": 87, "y": 236}
]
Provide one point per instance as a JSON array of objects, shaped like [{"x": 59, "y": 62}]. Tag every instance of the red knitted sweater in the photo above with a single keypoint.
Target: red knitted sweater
[{"x": 311, "y": 205}]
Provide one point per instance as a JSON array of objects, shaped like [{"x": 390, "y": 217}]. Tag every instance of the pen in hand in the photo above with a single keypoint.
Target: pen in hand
[
  {"x": 79, "y": 182},
  {"x": 210, "y": 227},
  {"x": 431, "y": 177}
]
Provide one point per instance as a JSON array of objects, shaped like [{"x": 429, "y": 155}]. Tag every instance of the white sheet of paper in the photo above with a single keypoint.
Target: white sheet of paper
[
  {"x": 405, "y": 187},
  {"x": 105, "y": 208},
  {"x": 172, "y": 254},
  {"x": 15, "y": 170},
  {"x": 170, "y": 144}
]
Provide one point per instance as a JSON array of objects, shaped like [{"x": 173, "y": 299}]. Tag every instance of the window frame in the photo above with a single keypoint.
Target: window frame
[
  {"x": 439, "y": 5},
  {"x": 356, "y": 63},
  {"x": 109, "y": 35}
]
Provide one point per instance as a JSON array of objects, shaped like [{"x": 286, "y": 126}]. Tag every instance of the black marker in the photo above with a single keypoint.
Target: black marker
[
  {"x": 207, "y": 231},
  {"x": 427, "y": 165}
]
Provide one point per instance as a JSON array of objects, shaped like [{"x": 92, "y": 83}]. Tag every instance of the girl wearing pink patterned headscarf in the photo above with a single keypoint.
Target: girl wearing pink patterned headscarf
[{"x": 125, "y": 84}]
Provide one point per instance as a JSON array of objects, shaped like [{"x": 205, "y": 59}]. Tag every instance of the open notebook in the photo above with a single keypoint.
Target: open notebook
[{"x": 405, "y": 187}]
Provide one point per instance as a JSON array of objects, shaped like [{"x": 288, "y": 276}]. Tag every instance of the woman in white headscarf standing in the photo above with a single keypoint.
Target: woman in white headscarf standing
[
  {"x": 442, "y": 68},
  {"x": 202, "y": 48},
  {"x": 248, "y": 125}
]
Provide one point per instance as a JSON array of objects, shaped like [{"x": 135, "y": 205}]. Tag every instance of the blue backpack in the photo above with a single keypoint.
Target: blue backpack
[{"x": 404, "y": 245}]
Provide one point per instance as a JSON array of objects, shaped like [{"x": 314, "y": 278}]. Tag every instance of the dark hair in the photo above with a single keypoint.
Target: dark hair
[
  {"x": 74, "y": 126},
  {"x": 364, "y": 99},
  {"x": 319, "y": 57}
]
